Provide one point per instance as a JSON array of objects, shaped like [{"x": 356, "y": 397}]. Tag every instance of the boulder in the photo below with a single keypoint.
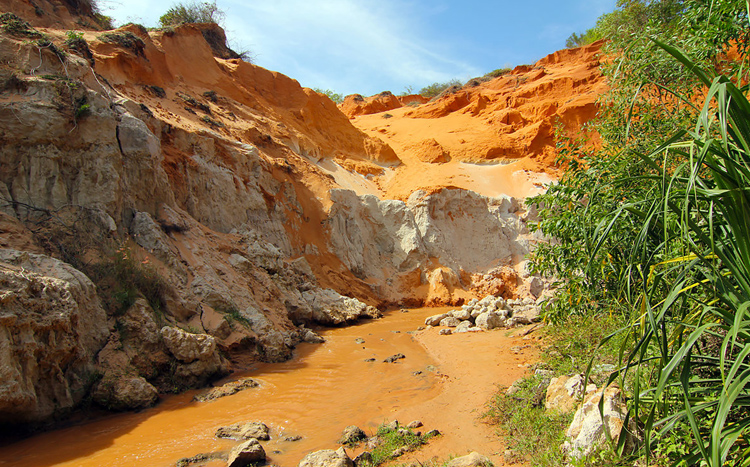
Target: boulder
[
  {"x": 227, "y": 389},
  {"x": 352, "y": 435},
  {"x": 434, "y": 320},
  {"x": 564, "y": 393},
  {"x": 187, "y": 347},
  {"x": 124, "y": 393},
  {"x": 489, "y": 320},
  {"x": 471, "y": 460},
  {"x": 586, "y": 432},
  {"x": 464, "y": 326},
  {"x": 247, "y": 430},
  {"x": 461, "y": 314},
  {"x": 327, "y": 458},
  {"x": 364, "y": 459},
  {"x": 245, "y": 454},
  {"x": 450, "y": 322}
]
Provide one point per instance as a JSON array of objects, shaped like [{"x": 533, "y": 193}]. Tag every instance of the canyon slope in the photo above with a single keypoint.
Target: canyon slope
[{"x": 169, "y": 212}]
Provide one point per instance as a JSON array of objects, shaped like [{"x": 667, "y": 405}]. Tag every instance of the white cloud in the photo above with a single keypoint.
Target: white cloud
[{"x": 346, "y": 45}]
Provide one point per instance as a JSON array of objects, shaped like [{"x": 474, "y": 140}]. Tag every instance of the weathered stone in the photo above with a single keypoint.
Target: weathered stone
[
  {"x": 461, "y": 314},
  {"x": 450, "y": 322},
  {"x": 227, "y": 389},
  {"x": 311, "y": 337},
  {"x": 415, "y": 424},
  {"x": 564, "y": 393},
  {"x": 327, "y": 458},
  {"x": 245, "y": 454},
  {"x": 363, "y": 459},
  {"x": 247, "y": 430},
  {"x": 586, "y": 432},
  {"x": 489, "y": 320},
  {"x": 445, "y": 332},
  {"x": 352, "y": 435},
  {"x": 434, "y": 320},
  {"x": 471, "y": 460},
  {"x": 463, "y": 327},
  {"x": 52, "y": 326},
  {"x": 124, "y": 393},
  {"x": 394, "y": 358}
]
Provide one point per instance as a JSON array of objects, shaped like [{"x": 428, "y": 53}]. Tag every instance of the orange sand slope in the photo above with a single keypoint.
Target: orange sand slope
[{"x": 493, "y": 137}]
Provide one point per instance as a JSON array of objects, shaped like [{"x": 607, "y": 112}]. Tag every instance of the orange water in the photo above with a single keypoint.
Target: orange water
[{"x": 325, "y": 388}]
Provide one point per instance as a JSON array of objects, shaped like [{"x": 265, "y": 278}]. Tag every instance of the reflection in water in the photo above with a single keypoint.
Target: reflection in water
[{"x": 325, "y": 388}]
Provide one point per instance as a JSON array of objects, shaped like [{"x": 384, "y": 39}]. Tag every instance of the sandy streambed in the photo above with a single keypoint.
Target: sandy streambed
[{"x": 444, "y": 381}]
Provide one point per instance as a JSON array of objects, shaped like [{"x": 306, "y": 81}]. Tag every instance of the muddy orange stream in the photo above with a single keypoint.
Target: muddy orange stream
[{"x": 325, "y": 388}]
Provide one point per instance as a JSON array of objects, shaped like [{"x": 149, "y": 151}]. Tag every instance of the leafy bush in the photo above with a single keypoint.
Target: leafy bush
[
  {"x": 653, "y": 226},
  {"x": 125, "y": 39},
  {"x": 435, "y": 89},
  {"x": 334, "y": 96},
  {"x": 16, "y": 26},
  {"x": 181, "y": 13}
]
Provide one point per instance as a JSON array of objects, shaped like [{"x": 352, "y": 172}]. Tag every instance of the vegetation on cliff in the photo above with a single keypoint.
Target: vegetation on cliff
[{"x": 653, "y": 226}]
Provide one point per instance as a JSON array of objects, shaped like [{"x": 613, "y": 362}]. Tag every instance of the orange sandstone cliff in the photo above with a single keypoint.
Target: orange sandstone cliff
[{"x": 168, "y": 212}]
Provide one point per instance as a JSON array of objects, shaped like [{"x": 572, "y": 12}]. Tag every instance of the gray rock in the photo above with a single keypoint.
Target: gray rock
[
  {"x": 311, "y": 337},
  {"x": 327, "y": 458},
  {"x": 450, "y": 322},
  {"x": 445, "y": 332},
  {"x": 227, "y": 389},
  {"x": 247, "y": 453},
  {"x": 463, "y": 327},
  {"x": 394, "y": 358},
  {"x": 434, "y": 320},
  {"x": 247, "y": 430},
  {"x": 415, "y": 424},
  {"x": 489, "y": 321},
  {"x": 352, "y": 435},
  {"x": 472, "y": 460},
  {"x": 124, "y": 393},
  {"x": 363, "y": 459},
  {"x": 462, "y": 314}
]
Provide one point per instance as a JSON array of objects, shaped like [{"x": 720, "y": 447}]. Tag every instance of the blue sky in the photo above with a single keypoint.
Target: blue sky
[{"x": 369, "y": 46}]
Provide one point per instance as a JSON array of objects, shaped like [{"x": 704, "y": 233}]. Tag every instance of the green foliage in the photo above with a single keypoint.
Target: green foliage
[
  {"x": 123, "y": 278},
  {"x": 125, "y": 39},
  {"x": 435, "y": 89},
  {"x": 498, "y": 73},
  {"x": 194, "y": 12},
  {"x": 334, "y": 96},
  {"x": 391, "y": 440},
  {"x": 16, "y": 26},
  {"x": 653, "y": 226},
  {"x": 232, "y": 315},
  {"x": 585, "y": 38}
]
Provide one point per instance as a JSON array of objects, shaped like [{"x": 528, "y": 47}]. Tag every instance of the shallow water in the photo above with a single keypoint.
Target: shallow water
[{"x": 325, "y": 388}]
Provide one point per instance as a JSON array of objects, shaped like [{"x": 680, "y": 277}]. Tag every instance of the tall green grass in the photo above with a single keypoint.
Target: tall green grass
[{"x": 686, "y": 357}]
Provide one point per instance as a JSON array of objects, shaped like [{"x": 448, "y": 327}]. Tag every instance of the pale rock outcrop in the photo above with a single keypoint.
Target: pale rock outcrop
[
  {"x": 197, "y": 354},
  {"x": 434, "y": 320},
  {"x": 586, "y": 432},
  {"x": 489, "y": 320},
  {"x": 245, "y": 454},
  {"x": 51, "y": 327},
  {"x": 473, "y": 459},
  {"x": 327, "y": 458},
  {"x": 564, "y": 393},
  {"x": 329, "y": 307}
]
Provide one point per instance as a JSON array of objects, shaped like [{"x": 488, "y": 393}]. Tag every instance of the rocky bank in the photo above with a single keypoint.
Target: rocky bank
[{"x": 168, "y": 212}]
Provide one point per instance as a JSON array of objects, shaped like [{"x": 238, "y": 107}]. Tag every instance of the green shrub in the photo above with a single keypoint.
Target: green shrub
[
  {"x": 334, "y": 96},
  {"x": 16, "y": 26},
  {"x": 181, "y": 13},
  {"x": 435, "y": 89},
  {"x": 125, "y": 39}
]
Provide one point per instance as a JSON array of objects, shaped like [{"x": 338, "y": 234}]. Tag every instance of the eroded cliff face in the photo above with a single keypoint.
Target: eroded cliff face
[{"x": 218, "y": 208}]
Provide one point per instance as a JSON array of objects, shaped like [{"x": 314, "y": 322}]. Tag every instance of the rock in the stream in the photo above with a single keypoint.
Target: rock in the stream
[
  {"x": 246, "y": 453},
  {"x": 352, "y": 434},
  {"x": 311, "y": 337},
  {"x": 124, "y": 393},
  {"x": 394, "y": 358},
  {"x": 233, "y": 387},
  {"x": 327, "y": 458},
  {"x": 472, "y": 460},
  {"x": 363, "y": 459},
  {"x": 247, "y": 430}
]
